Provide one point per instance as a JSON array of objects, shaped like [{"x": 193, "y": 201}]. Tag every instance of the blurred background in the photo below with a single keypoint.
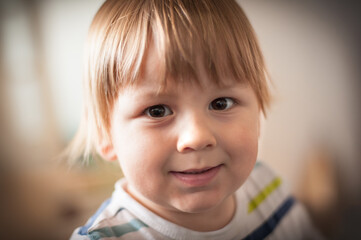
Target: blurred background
[{"x": 311, "y": 137}]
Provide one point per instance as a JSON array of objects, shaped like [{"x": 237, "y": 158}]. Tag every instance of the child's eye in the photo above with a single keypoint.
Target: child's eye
[
  {"x": 158, "y": 111},
  {"x": 221, "y": 104}
]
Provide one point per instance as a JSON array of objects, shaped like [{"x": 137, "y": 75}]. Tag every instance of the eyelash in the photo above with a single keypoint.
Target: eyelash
[
  {"x": 164, "y": 110},
  {"x": 228, "y": 101}
]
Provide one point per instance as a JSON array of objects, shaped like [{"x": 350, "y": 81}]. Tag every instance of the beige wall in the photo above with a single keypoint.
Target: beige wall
[{"x": 311, "y": 57}]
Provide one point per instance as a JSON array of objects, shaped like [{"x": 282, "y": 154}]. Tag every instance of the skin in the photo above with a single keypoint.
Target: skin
[{"x": 190, "y": 133}]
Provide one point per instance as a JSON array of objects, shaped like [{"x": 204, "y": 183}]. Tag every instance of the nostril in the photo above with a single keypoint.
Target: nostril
[
  {"x": 209, "y": 146},
  {"x": 187, "y": 145}
]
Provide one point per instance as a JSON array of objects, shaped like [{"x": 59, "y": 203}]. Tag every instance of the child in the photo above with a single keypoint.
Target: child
[{"x": 174, "y": 92}]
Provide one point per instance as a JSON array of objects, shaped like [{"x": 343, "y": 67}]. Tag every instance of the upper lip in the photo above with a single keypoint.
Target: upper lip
[{"x": 196, "y": 170}]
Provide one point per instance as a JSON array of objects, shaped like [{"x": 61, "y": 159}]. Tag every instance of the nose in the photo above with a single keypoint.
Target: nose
[{"x": 195, "y": 134}]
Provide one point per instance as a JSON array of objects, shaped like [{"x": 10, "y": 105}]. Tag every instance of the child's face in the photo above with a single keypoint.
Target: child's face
[{"x": 187, "y": 149}]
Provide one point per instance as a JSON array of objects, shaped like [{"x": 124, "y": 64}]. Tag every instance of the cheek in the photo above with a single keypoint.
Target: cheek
[
  {"x": 139, "y": 153},
  {"x": 144, "y": 164},
  {"x": 138, "y": 165},
  {"x": 242, "y": 146},
  {"x": 134, "y": 154},
  {"x": 242, "y": 139}
]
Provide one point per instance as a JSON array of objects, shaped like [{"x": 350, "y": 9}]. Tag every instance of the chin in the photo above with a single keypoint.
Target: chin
[
  {"x": 199, "y": 205},
  {"x": 195, "y": 209}
]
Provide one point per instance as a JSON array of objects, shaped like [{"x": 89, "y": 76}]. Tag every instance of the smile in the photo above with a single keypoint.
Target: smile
[{"x": 197, "y": 177}]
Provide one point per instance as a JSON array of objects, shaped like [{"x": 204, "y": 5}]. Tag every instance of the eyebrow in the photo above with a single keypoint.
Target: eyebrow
[
  {"x": 171, "y": 92},
  {"x": 151, "y": 93}
]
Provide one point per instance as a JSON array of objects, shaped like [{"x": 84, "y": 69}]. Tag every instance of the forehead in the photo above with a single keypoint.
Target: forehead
[{"x": 155, "y": 74}]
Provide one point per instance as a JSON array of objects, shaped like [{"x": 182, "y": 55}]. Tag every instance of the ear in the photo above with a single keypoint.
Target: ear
[{"x": 106, "y": 151}]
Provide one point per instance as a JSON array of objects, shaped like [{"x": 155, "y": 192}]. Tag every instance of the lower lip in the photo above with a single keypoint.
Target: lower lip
[{"x": 199, "y": 179}]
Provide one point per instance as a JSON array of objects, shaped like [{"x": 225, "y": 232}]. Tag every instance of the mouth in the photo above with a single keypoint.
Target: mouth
[
  {"x": 197, "y": 177},
  {"x": 197, "y": 171}
]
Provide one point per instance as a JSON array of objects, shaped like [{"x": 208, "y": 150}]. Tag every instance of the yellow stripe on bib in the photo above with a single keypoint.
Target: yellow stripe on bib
[{"x": 266, "y": 191}]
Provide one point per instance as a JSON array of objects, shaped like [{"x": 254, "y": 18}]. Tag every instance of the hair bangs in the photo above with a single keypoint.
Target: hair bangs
[
  {"x": 187, "y": 40},
  {"x": 190, "y": 35}
]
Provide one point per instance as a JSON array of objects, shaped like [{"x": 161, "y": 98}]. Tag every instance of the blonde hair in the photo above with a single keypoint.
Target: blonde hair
[{"x": 216, "y": 31}]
